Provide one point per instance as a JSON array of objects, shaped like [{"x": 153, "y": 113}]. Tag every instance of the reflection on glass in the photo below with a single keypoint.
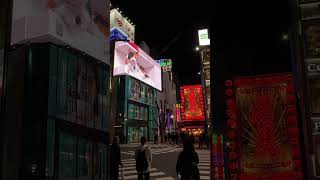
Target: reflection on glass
[
  {"x": 81, "y": 91},
  {"x": 85, "y": 159},
  {"x": 72, "y": 93},
  {"x": 67, "y": 157}
]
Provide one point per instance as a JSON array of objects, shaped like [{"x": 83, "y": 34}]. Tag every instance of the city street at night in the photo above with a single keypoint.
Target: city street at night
[
  {"x": 160, "y": 90},
  {"x": 164, "y": 157}
]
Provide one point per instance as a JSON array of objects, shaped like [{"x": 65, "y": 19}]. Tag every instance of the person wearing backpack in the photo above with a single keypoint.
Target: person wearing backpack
[
  {"x": 143, "y": 158},
  {"x": 187, "y": 164}
]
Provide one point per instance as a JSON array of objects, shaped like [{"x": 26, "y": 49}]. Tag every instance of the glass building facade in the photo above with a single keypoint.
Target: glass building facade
[
  {"x": 58, "y": 104},
  {"x": 78, "y": 93},
  {"x": 137, "y": 110}
]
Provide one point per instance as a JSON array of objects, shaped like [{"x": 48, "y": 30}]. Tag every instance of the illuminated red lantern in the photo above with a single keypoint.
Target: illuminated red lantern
[
  {"x": 293, "y": 132},
  {"x": 228, "y": 83},
  {"x": 292, "y": 121},
  {"x": 231, "y": 134},
  {"x": 233, "y": 155},
  {"x": 297, "y": 165},
  {"x": 298, "y": 176},
  {"x": 292, "y": 111},
  {"x": 296, "y": 153},
  {"x": 294, "y": 141},
  {"x": 291, "y": 99},
  {"x": 234, "y": 177},
  {"x": 231, "y": 114},
  {"x": 232, "y": 123},
  {"x": 231, "y": 103},
  {"x": 229, "y": 92},
  {"x": 290, "y": 89},
  {"x": 232, "y": 145},
  {"x": 233, "y": 166}
]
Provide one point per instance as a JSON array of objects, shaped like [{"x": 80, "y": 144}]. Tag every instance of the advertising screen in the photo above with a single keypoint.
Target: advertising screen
[
  {"x": 130, "y": 60},
  {"x": 166, "y": 64},
  {"x": 178, "y": 112},
  {"x": 122, "y": 24},
  {"x": 81, "y": 24},
  {"x": 192, "y": 107},
  {"x": 203, "y": 37}
]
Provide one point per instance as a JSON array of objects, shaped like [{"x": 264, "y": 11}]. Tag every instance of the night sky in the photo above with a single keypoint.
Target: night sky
[
  {"x": 245, "y": 35},
  {"x": 160, "y": 23}
]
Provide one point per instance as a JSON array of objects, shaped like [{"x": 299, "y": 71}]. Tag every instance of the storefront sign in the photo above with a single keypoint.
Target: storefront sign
[
  {"x": 316, "y": 125},
  {"x": 166, "y": 64},
  {"x": 117, "y": 35},
  {"x": 118, "y": 21},
  {"x": 203, "y": 37},
  {"x": 313, "y": 68}
]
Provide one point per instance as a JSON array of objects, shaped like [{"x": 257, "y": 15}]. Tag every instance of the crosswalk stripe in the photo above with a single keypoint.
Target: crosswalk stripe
[
  {"x": 165, "y": 178},
  {"x": 157, "y": 174},
  {"x": 128, "y": 168},
  {"x": 135, "y": 171},
  {"x": 204, "y": 164},
  {"x": 130, "y": 173},
  {"x": 204, "y": 167},
  {"x": 204, "y": 177},
  {"x": 127, "y": 153},
  {"x": 205, "y": 172}
]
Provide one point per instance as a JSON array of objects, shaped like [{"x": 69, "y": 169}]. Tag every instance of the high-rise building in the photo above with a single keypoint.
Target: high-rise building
[
  {"x": 304, "y": 39},
  {"x": 56, "y": 110}
]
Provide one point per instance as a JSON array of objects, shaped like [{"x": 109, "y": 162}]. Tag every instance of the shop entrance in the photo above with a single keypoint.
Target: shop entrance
[
  {"x": 135, "y": 133},
  {"x": 80, "y": 158}
]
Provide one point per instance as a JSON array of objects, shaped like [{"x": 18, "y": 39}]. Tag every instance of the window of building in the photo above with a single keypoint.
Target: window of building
[
  {"x": 82, "y": 159},
  {"x": 78, "y": 89}
]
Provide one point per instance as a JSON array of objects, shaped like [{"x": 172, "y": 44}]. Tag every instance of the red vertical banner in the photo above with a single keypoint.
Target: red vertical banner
[
  {"x": 263, "y": 127},
  {"x": 192, "y": 105}
]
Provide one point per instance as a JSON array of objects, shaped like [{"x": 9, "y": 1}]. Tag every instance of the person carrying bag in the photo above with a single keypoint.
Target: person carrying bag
[
  {"x": 187, "y": 164},
  {"x": 143, "y": 158}
]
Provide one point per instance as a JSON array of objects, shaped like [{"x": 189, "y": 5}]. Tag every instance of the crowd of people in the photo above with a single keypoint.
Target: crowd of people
[
  {"x": 179, "y": 137},
  {"x": 186, "y": 166}
]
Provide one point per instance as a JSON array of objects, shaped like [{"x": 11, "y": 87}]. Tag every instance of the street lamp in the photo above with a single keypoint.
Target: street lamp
[
  {"x": 171, "y": 116},
  {"x": 197, "y": 48},
  {"x": 285, "y": 37}
]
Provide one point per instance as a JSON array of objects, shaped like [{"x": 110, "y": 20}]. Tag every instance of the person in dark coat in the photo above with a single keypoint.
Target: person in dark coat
[
  {"x": 188, "y": 160},
  {"x": 115, "y": 158}
]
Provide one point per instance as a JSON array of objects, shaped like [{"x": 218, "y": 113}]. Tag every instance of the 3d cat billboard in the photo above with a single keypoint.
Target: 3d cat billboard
[{"x": 130, "y": 60}]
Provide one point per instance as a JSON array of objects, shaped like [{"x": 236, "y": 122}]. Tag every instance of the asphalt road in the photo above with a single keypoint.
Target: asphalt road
[{"x": 164, "y": 158}]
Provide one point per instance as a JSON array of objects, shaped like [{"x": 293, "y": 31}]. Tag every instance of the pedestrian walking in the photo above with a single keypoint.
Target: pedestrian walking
[
  {"x": 177, "y": 138},
  {"x": 165, "y": 138},
  {"x": 143, "y": 158},
  {"x": 188, "y": 160},
  {"x": 155, "y": 138},
  {"x": 115, "y": 158}
]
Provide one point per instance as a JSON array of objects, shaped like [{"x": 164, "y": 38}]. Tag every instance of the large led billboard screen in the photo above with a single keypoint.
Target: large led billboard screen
[
  {"x": 130, "y": 60},
  {"x": 117, "y": 21},
  {"x": 192, "y": 107},
  {"x": 80, "y": 24}
]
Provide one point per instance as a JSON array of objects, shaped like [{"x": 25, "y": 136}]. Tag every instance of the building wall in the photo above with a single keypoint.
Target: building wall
[
  {"x": 139, "y": 113},
  {"x": 56, "y": 114},
  {"x": 167, "y": 98}
]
